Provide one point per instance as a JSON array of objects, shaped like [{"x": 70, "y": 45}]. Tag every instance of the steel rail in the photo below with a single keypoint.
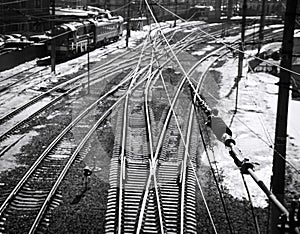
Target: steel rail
[
  {"x": 2, "y": 89},
  {"x": 74, "y": 155},
  {"x": 18, "y": 73},
  {"x": 154, "y": 161},
  {"x": 52, "y": 102},
  {"x": 123, "y": 147},
  {"x": 53, "y": 144},
  {"x": 148, "y": 123},
  {"x": 188, "y": 136},
  {"x": 52, "y": 192}
]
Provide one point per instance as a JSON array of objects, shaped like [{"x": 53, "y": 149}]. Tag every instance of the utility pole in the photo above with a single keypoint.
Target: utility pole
[
  {"x": 218, "y": 10},
  {"x": 88, "y": 64},
  {"x": 229, "y": 15},
  {"x": 128, "y": 23},
  {"x": 262, "y": 24},
  {"x": 229, "y": 9},
  {"x": 105, "y": 4},
  {"x": 241, "y": 53},
  {"x": 53, "y": 53},
  {"x": 278, "y": 177},
  {"x": 176, "y": 2}
]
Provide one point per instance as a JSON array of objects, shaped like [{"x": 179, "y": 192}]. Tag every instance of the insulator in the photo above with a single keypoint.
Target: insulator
[
  {"x": 227, "y": 140},
  {"x": 207, "y": 112},
  {"x": 219, "y": 127},
  {"x": 245, "y": 166}
]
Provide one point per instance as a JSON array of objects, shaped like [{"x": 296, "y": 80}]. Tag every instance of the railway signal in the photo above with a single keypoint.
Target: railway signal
[{"x": 87, "y": 172}]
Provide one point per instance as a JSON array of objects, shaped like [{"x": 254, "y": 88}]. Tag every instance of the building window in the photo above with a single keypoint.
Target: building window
[{"x": 37, "y": 3}]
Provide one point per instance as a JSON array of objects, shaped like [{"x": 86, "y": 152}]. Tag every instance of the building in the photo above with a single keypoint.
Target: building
[
  {"x": 24, "y": 16},
  {"x": 272, "y": 7},
  {"x": 137, "y": 9}
]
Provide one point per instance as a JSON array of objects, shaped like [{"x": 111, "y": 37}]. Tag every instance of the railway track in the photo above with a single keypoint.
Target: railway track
[
  {"x": 151, "y": 183},
  {"x": 37, "y": 190},
  {"x": 146, "y": 184},
  {"x": 42, "y": 103}
]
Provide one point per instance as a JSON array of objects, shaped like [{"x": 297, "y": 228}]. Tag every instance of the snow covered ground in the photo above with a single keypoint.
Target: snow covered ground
[
  {"x": 253, "y": 125},
  {"x": 253, "y": 128}
]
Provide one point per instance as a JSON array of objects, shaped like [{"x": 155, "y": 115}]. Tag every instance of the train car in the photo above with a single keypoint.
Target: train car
[
  {"x": 71, "y": 39},
  {"x": 74, "y": 38},
  {"x": 107, "y": 31}
]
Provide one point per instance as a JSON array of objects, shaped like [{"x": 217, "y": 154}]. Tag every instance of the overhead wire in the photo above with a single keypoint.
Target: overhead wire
[
  {"x": 233, "y": 48},
  {"x": 254, "y": 131},
  {"x": 124, "y": 6},
  {"x": 191, "y": 163},
  {"x": 260, "y": 138},
  {"x": 251, "y": 205},
  {"x": 247, "y": 126},
  {"x": 260, "y": 119},
  {"x": 182, "y": 138},
  {"x": 168, "y": 97},
  {"x": 220, "y": 190},
  {"x": 12, "y": 2},
  {"x": 244, "y": 53}
]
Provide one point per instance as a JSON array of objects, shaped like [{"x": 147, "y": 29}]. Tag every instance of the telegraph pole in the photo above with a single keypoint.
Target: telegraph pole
[
  {"x": 218, "y": 4},
  {"x": 128, "y": 23},
  {"x": 175, "y": 13},
  {"x": 229, "y": 10},
  {"x": 278, "y": 177},
  {"x": 241, "y": 53},
  {"x": 52, "y": 40},
  {"x": 105, "y": 4},
  {"x": 229, "y": 15},
  {"x": 88, "y": 62},
  {"x": 262, "y": 24}
]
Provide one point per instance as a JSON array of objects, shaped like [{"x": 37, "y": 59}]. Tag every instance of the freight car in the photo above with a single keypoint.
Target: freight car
[{"x": 74, "y": 38}]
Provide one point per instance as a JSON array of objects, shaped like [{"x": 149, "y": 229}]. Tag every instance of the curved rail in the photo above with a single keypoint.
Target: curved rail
[{"x": 54, "y": 143}]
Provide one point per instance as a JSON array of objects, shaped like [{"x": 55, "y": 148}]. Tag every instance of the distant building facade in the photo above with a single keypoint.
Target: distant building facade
[
  {"x": 138, "y": 7},
  {"x": 26, "y": 16},
  {"x": 272, "y": 7}
]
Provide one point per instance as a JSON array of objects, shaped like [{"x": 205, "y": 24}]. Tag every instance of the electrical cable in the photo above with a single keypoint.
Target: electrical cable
[
  {"x": 8, "y": 3},
  {"x": 269, "y": 146},
  {"x": 171, "y": 49},
  {"x": 235, "y": 49},
  {"x": 191, "y": 163},
  {"x": 251, "y": 205},
  {"x": 260, "y": 138},
  {"x": 214, "y": 176},
  {"x": 175, "y": 115},
  {"x": 263, "y": 140},
  {"x": 122, "y": 6},
  {"x": 259, "y": 117},
  {"x": 182, "y": 138}
]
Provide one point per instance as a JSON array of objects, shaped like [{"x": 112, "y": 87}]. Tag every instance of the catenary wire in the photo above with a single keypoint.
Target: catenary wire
[
  {"x": 215, "y": 178},
  {"x": 182, "y": 138},
  {"x": 259, "y": 137},
  {"x": 251, "y": 205},
  {"x": 232, "y": 48}
]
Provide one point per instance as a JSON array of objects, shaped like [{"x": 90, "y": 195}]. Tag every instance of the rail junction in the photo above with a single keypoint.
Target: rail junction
[{"x": 155, "y": 100}]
